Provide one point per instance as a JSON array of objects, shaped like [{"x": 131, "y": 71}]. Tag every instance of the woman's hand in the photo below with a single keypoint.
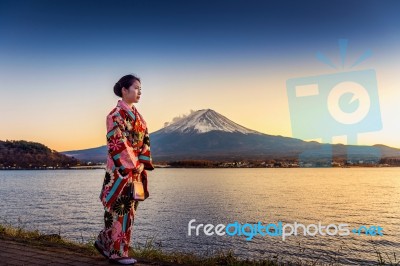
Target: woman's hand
[{"x": 140, "y": 168}]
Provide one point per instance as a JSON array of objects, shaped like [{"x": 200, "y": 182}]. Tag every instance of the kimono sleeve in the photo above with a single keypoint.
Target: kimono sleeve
[
  {"x": 119, "y": 147},
  {"x": 145, "y": 154}
]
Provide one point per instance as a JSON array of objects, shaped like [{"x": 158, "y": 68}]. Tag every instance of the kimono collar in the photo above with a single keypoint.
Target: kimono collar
[{"x": 130, "y": 110}]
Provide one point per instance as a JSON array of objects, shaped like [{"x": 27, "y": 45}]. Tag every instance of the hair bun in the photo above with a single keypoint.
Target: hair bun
[{"x": 118, "y": 89}]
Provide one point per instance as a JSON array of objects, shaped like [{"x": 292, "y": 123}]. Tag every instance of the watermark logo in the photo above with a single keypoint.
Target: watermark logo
[
  {"x": 344, "y": 103},
  {"x": 284, "y": 230}
]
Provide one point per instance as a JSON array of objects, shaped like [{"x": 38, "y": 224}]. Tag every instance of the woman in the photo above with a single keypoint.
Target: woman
[{"x": 127, "y": 161}]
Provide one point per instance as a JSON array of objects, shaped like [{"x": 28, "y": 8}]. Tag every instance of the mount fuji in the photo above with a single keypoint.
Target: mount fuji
[
  {"x": 208, "y": 135},
  {"x": 204, "y": 121}
]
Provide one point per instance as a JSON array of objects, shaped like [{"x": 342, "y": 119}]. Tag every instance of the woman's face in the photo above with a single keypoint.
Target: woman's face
[{"x": 132, "y": 94}]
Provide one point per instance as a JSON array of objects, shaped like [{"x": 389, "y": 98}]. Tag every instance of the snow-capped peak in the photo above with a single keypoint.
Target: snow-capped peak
[{"x": 203, "y": 121}]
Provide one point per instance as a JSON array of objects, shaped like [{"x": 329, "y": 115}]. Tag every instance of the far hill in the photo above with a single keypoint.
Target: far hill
[{"x": 17, "y": 154}]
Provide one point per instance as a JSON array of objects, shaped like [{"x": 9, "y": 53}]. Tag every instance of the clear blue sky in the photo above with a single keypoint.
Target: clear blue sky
[{"x": 60, "y": 59}]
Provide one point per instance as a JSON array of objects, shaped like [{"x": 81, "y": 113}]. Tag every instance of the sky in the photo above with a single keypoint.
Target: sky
[{"x": 59, "y": 61}]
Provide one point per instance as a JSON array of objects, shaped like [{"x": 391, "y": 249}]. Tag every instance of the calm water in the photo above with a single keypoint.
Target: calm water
[{"x": 67, "y": 202}]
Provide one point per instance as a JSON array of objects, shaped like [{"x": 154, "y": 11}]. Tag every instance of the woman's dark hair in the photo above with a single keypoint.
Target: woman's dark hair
[{"x": 124, "y": 82}]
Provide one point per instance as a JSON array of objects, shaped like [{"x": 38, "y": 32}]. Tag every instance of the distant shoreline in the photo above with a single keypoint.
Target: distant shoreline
[{"x": 199, "y": 167}]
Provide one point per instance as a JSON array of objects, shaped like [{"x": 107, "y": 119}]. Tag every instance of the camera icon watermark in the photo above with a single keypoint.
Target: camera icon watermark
[{"x": 338, "y": 104}]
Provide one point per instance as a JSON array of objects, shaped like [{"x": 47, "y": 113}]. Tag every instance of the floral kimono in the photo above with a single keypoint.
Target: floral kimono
[{"x": 128, "y": 145}]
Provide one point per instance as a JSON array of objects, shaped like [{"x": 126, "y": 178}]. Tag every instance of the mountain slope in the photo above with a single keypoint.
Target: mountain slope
[
  {"x": 27, "y": 154},
  {"x": 94, "y": 155},
  {"x": 203, "y": 121},
  {"x": 206, "y": 134}
]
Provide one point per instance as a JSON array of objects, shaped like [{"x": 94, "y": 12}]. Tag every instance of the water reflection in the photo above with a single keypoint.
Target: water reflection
[{"x": 67, "y": 202}]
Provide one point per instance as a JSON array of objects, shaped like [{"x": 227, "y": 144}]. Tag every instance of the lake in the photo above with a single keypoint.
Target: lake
[{"x": 66, "y": 202}]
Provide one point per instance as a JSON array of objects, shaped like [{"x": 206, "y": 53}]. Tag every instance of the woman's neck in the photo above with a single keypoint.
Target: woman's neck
[{"x": 129, "y": 104}]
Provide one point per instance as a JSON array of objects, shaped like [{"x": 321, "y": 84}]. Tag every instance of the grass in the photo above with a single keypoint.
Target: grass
[
  {"x": 147, "y": 252},
  {"x": 35, "y": 238},
  {"x": 150, "y": 253}
]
